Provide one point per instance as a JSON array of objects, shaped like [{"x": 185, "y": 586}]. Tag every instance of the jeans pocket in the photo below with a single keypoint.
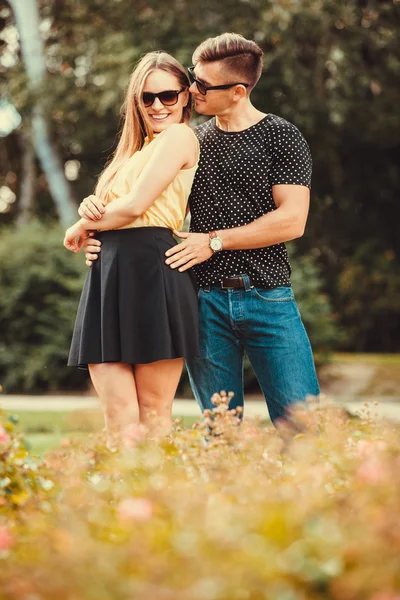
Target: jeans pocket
[
  {"x": 278, "y": 294},
  {"x": 204, "y": 290}
]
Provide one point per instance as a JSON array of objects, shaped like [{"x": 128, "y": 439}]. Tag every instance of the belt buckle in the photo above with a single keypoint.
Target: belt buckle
[
  {"x": 225, "y": 287},
  {"x": 238, "y": 278}
]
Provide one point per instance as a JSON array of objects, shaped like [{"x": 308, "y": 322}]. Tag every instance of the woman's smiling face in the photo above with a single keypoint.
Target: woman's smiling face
[{"x": 160, "y": 115}]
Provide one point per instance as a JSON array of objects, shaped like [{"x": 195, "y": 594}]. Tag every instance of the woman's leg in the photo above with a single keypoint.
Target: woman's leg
[
  {"x": 156, "y": 385},
  {"x": 115, "y": 385}
]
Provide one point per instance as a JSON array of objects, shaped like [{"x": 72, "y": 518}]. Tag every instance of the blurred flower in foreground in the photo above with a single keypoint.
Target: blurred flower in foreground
[
  {"x": 366, "y": 448},
  {"x": 372, "y": 470},
  {"x": 133, "y": 434},
  {"x": 135, "y": 509},
  {"x": 6, "y": 539},
  {"x": 302, "y": 514},
  {"x": 4, "y": 437},
  {"x": 385, "y": 596}
]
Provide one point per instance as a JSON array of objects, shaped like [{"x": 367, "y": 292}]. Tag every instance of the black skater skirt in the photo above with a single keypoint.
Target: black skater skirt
[{"x": 134, "y": 308}]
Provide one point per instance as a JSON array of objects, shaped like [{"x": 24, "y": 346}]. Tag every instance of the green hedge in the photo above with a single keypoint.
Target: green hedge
[
  {"x": 315, "y": 306},
  {"x": 40, "y": 287},
  {"x": 40, "y": 283}
]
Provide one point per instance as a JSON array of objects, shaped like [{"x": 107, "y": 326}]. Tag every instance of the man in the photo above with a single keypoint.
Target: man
[{"x": 250, "y": 195}]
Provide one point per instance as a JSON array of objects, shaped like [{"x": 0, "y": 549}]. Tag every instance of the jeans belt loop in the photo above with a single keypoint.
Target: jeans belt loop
[{"x": 247, "y": 283}]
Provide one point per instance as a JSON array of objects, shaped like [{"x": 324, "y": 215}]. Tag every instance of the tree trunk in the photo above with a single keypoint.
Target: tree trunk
[
  {"x": 27, "y": 19},
  {"x": 28, "y": 180}
]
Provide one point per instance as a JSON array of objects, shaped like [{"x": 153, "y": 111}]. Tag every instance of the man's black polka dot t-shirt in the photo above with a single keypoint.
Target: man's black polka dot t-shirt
[{"x": 233, "y": 187}]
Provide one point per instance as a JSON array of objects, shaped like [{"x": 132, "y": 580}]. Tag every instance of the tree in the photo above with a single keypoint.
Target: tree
[
  {"x": 27, "y": 19},
  {"x": 330, "y": 67}
]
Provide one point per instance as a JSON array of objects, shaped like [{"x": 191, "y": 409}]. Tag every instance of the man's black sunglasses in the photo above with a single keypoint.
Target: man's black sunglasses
[
  {"x": 203, "y": 88},
  {"x": 168, "y": 98}
]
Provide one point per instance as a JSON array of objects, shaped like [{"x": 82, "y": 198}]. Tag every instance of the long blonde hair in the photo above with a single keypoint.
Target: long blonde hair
[{"x": 136, "y": 124}]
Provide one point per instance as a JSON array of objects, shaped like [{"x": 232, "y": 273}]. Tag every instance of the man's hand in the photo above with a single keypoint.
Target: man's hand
[
  {"x": 91, "y": 208},
  {"x": 92, "y": 248},
  {"x": 74, "y": 237},
  {"x": 193, "y": 250}
]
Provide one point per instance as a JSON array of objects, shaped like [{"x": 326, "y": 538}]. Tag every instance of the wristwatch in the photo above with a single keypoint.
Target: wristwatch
[{"x": 215, "y": 242}]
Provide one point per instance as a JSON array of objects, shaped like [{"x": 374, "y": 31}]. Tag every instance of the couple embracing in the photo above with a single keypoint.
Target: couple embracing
[{"x": 149, "y": 303}]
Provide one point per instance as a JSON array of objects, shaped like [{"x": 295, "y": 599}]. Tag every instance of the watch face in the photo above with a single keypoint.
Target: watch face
[{"x": 216, "y": 244}]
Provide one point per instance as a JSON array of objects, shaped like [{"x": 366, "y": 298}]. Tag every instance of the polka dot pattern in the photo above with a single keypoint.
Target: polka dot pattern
[{"x": 233, "y": 187}]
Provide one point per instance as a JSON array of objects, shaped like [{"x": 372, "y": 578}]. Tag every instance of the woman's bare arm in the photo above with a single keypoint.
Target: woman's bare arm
[{"x": 177, "y": 150}]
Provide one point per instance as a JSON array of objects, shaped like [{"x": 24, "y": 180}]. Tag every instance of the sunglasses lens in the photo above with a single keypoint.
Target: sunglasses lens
[
  {"x": 148, "y": 98},
  {"x": 201, "y": 87},
  {"x": 168, "y": 98}
]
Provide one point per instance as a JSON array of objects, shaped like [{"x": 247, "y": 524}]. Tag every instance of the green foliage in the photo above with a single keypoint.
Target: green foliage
[
  {"x": 330, "y": 67},
  {"x": 250, "y": 513},
  {"x": 40, "y": 288},
  {"x": 41, "y": 284},
  {"x": 315, "y": 307},
  {"x": 369, "y": 291},
  {"x": 23, "y": 478}
]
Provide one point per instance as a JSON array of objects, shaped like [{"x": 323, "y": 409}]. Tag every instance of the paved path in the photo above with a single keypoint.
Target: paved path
[{"x": 386, "y": 407}]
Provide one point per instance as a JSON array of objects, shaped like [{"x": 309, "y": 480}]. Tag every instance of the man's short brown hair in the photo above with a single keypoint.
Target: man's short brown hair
[{"x": 242, "y": 59}]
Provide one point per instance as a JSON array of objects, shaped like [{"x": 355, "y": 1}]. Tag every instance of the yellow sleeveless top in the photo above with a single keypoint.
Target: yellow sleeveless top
[{"x": 169, "y": 209}]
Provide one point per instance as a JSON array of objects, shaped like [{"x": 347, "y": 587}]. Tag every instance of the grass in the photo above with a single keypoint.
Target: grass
[
  {"x": 45, "y": 430},
  {"x": 373, "y": 374},
  {"x": 366, "y": 359}
]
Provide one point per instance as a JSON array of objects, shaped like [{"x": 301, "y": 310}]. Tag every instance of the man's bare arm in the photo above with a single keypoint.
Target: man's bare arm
[{"x": 285, "y": 223}]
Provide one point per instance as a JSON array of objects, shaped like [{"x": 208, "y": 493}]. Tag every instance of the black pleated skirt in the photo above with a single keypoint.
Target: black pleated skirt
[{"x": 134, "y": 308}]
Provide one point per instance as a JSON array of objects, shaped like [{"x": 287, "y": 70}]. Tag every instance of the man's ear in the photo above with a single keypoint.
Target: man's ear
[{"x": 239, "y": 92}]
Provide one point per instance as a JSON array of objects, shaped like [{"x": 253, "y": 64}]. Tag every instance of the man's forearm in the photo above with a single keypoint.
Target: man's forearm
[{"x": 274, "y": 228}]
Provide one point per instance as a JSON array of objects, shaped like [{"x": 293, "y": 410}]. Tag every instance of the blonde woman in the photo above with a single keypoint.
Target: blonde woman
[{"x": 137, "y": 318}]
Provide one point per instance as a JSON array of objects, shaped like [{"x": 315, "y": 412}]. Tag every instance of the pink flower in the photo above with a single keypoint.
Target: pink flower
[
  {"x": 366, "y": 448},
  {"x": 372, "y": 470},
  {"x": 386, "y": 596},
  {"x": 4, "y": 437},
  {"x": 133, "y": 434},
  {"x": 135, "y": 509},
  {"x": 6, "y": 539}
]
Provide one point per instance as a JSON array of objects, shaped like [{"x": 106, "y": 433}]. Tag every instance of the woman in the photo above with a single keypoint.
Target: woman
[{"x": 137, "y": 318}]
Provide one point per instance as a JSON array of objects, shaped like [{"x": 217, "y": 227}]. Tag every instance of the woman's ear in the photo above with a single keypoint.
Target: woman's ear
[{"x": 186, "y": 96}]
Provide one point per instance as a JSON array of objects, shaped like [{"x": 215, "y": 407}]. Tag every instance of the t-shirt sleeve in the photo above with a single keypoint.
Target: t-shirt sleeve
[{"x": 292, "y": 162}]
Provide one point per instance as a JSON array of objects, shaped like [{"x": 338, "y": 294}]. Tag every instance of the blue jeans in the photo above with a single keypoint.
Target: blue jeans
[{"x": 264, "y": 323}]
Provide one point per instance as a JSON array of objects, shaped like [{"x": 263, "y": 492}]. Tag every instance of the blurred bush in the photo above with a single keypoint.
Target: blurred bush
[
  {"x": 40, "y": 284},
  {"x": 24, "y": 479},
  {"x": 40, "y": 288},
  {"x": 369, "y": 292},
  {"x": 254, "y": 513},
  {"x": 315, "y": 306}
]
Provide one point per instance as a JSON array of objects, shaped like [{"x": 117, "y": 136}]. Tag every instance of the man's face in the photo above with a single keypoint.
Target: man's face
[{"x": 215, "y": 102}]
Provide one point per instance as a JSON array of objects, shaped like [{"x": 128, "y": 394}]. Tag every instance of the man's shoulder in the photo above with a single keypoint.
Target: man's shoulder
[
  {"x": 204, "y": 128},
  {"x": 279, "y": 125}
]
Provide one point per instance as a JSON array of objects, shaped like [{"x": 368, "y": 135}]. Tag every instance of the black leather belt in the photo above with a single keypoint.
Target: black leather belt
[{"x": 231, "y": 283}]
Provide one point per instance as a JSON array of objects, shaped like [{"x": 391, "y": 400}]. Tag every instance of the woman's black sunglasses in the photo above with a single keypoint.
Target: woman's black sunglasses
[
  {"x": 203, "y": 88},
  {"x": 168, "y": 98}
]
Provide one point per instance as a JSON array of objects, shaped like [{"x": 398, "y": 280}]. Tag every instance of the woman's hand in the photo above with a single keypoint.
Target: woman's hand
[
  {"x": 75, "y": 236},
  {"x": 91, "y": 208}
]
